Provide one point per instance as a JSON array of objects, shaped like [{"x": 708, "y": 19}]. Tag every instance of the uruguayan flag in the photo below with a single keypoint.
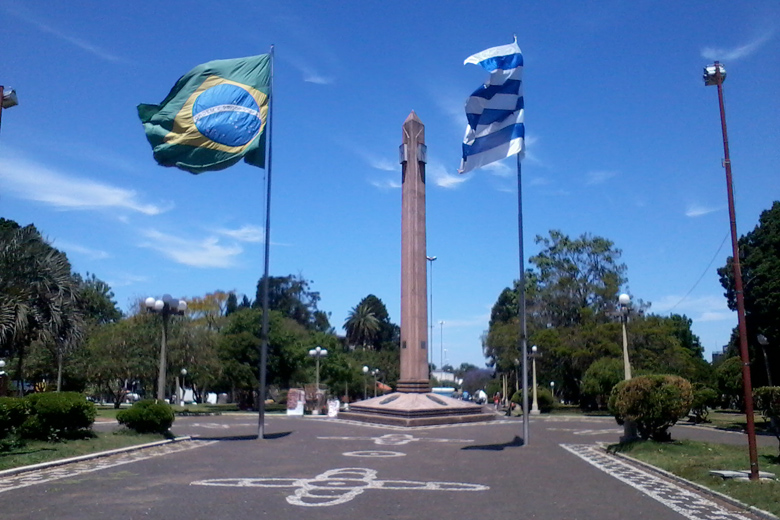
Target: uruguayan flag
[{"x": 495, "y": 110}]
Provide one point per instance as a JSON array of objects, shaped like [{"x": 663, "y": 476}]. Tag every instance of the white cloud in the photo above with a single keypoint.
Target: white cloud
[
  {"x": 386, "y": 184},
  {"x": 699, "y": 309},
  {"x": 735, "y": 53},
  {"x": 77, "y": 42},
  {"x": 246, "y": 233},
  {"x": 312, "y": 76},
  {"x": 437, "y": 173},
  {"x": 599, "y": 177},
  {"x": 207, "y": 252},
  {"x": 70, "y": 247},
  {"x": 696, "y": 210},
  {"x": 127, "y": 279},
  {"x": 33, "y": 181}
]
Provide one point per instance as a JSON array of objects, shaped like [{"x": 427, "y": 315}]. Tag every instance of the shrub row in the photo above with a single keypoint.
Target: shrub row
[{"x": 46, "y": 416}]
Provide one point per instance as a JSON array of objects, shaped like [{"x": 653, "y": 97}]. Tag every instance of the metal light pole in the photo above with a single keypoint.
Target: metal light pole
[
  {"x": 624, "y": 302},
  {"x": 430, "y": 316},
  {"x": 715, "y": 75},
  {"x": 552, "y": 390},
  {"x": 365, "y": 382},
  {"x": 535, "y": 405},
  {"x": 441, "y": 345},
  {"x": 764, "y": 343},
  {"x": 317, "y": 353},
  {"x": 375, "y": 373},
  {"x": 166, "y": 307},
  {"x": 183, "y": 377},
  {"x": 8, "y": 99}
]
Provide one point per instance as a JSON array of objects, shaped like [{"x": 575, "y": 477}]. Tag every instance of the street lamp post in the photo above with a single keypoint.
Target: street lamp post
[
  {"x": 552, "y": 389},
  {"x": 183, "y": 377},
  {"x": 715, "y": 75},
  {"x": 441, "y": 346},
  {"x": 624, "y": 302},
  {"x": 365, "y": 382},
  {"x": 3, "y": 379},
  {"x": 430, "y": 259},
  {"x": 8, "y": 99},
  {"x": 535, "y": 405},
  {"x": 166, "y": 307},
  {"x": 317, "y": 353},
  {"x": 764, "y": 343}
]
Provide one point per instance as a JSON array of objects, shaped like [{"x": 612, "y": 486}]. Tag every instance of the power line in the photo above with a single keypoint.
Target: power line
[{"x": 702, "y": 274}]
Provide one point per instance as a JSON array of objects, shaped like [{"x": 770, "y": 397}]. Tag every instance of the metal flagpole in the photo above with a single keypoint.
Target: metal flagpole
[
  {"x": 264, "y": 333},
  {"x": 521, "y": 303}
]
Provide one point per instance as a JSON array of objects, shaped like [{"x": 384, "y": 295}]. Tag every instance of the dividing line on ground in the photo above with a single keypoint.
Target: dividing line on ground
[
  {"x": 688, "y": 503},
  {"x": 31, "y": 478}
]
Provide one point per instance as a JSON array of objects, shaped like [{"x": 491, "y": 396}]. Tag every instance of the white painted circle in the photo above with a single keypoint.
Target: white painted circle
[{"x": 374, "y": 454}]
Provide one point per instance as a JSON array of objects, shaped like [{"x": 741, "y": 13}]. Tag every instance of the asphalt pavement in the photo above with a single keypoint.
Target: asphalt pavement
[{"x": 318, "y": 467}]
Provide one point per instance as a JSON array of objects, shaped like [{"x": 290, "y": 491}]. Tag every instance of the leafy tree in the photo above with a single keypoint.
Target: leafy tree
[
  {"x": 760, "y": 265},
  {"x": 96, "y": 300},
  {"x": 291, "y": 296},
  {"x": 729, "y": 377},
  {"x": 654, "y": 402},
  {"x": 120, "y": 353},
  {"x": 578, "y": 274},
  {"x": 231, "y": 305},
  {"x": 600, "y": 378},
  {"x": 37, "y": 293},
  {"x": 362, "y": 326},
  {"x": 209, "y": 310}
]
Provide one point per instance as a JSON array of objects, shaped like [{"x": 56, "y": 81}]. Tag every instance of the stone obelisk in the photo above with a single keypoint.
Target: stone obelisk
[{"x": 414, "y": 290}]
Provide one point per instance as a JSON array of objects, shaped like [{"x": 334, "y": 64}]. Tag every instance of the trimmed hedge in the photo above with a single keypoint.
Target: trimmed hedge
[
  {"x": 55, "y": 415},
  {"x": 147, "y": 416},
  {"x": 654, "y": 403}
]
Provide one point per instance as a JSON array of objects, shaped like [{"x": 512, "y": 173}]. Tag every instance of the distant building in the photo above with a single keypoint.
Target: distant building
[
  {"x": 443, "y": 375},
  {"x": 719, "y": 356}
]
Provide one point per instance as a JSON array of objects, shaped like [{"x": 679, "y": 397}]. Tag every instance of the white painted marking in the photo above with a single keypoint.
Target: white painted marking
[
  {"x": 688, "y": 503},
  {"x": 394, "y": 439},
  {"x": 374, "y": 454},
  {"x": 337, "y": 486}
]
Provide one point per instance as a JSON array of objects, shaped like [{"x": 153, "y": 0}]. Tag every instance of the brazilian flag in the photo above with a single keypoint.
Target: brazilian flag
[{"x": 214, "y": 115}]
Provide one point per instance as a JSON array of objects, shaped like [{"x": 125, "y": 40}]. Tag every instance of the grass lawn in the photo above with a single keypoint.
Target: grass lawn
[
  {"x": 35, "y": 452},
  {"x": 693, "y": 461}
]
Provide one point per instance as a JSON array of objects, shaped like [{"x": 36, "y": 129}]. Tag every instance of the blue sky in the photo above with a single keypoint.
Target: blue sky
[{"x": 623, "y": 141}]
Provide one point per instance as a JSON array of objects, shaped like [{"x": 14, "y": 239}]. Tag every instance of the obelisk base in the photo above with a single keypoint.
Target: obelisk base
[
  {"x": 416, "y": 409},
  {"x": 414, "y": 387}
]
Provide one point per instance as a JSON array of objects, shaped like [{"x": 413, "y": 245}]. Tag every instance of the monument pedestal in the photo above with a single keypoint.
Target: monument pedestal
[{"x": 416, "y": 409}]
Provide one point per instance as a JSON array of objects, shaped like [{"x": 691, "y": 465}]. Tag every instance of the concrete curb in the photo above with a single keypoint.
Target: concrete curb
[
  {"x": 699, "y": 487},
  {"x": 81, "y": 458}
]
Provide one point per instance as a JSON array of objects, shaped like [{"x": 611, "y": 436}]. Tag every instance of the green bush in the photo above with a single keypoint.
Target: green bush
[
  {"x": 13, "y": 412},
  {"x": 147, "y": 416},
  {"x": 544, "y": 399},
  {"x": 767, "y": 401},
  {"x": 56, "y": 415},
  {"x": 654, "y": 403},
  {"x": 704, "y": 398}
]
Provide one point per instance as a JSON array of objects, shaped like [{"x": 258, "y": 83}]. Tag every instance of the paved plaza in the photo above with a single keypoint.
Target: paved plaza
[{"x": 316, "y": 467}]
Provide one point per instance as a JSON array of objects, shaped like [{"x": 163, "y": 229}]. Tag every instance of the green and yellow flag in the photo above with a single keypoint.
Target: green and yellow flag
[{"x": 214, "y": 115}]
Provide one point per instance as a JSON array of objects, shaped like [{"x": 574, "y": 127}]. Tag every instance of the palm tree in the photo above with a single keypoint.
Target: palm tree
[
  {"x": 362, "y": 325},
  {"x": 37, "y": 293}
]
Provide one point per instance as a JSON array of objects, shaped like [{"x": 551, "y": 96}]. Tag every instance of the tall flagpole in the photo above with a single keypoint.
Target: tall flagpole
[
  {"x": 264, "y": 332},
  {"x": 521, "y": 303}
]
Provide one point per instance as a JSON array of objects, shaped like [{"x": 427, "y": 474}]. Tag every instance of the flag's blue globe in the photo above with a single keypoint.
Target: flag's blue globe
[{"x": 227, "y": 114}]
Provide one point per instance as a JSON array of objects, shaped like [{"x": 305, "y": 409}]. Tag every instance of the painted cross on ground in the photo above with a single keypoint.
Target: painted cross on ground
[
  {"x": 394, "y": 439},
  {"x": 337, "y": 486}
]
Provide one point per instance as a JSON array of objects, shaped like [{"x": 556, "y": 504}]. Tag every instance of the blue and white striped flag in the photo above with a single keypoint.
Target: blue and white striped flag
[{"x": 495, "y": 110}]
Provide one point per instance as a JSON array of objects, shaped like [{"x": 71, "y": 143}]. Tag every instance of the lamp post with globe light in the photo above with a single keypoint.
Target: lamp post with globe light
[
  {"x": 317, "y": 353},
  {"x": 535, "y": 405},
  {"x": 166, "y": 307},
  {"x": 3, "y": 379},
  {"x": 624, "y": 309}
]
